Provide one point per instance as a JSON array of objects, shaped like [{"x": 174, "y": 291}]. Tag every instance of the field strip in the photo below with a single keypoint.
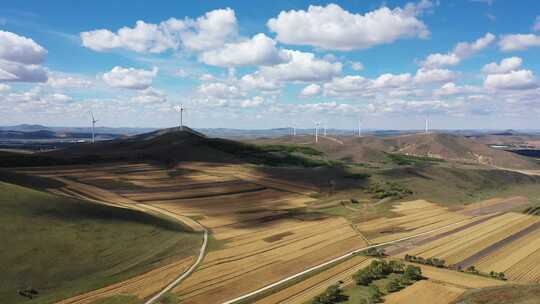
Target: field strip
[
  {"x": 338, "y": 259},
  {"x": 493, "y": 247}
]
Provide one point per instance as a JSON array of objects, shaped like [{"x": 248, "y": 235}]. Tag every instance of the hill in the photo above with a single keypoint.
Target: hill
[
  {"x": 61, "y": 246},
  {"x": 167, "y": 146},
  {"x": 371, "y": 149}
]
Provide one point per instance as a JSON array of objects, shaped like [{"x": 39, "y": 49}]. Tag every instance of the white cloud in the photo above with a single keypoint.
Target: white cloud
[
  {"x": 357, "y": 66},
  {"x": 514, "y": 80},
  {"x": 256, "y": 81},
  {"x": 254, "y": 102},
  {"x": 60, "y": 97},
  {"x": 150, "y": 96},
  {"x": 506, "y": 65},
  {"x": 259, "y": 50},
  {"x": 519, "y": 42},
  {"x": 461, "y": 51},
  {"x": 218, "y": 90},
  {"x": 451, "y": 88},
  {"x": 60, "y": 80},
  {"x": 424, "y": 75},
  {"x": 4, "y": 87},
  {"x": 392, "y": 80},
  {"x": 333, "y": 28},
  {"x": 20, "y": 49},
  {"x": 130, "y": 78},
  {"x": 303, "y": 67},
  {"x": 21, "y": 59},
  {"x": 206, "y": 32},
  {"x": 536, "y": 25},
  {"x": 310, "y": 90}
]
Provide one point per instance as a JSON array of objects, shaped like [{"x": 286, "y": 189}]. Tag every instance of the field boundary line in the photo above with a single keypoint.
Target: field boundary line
[
  {"x": 187, "y": 273},
  {"x": 246, "y": 296}
]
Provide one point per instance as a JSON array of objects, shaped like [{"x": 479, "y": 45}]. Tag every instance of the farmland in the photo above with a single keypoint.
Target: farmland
[{"x": 257, "y": 219}]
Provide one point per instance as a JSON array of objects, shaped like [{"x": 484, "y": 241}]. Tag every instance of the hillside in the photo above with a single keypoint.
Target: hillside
[
  {"x": 167, "y": 146},
  {"x": 62, "y": 247},
  {"x": 372, "y": 149}
]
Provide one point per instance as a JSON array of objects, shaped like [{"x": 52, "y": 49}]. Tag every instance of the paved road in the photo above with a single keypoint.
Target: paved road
[
  {"x": 185, "y": 274},
  {"x": 343, "y": 257}
]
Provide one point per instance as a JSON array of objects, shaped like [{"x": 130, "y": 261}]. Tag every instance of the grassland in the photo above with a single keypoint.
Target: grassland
[{"x": 62, "y": 246}]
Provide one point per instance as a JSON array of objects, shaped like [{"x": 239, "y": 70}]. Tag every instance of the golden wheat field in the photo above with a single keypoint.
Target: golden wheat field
[{"x": 247, "y": 212}]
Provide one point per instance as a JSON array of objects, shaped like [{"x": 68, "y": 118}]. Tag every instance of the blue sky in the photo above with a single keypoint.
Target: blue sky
[{"x": 466, "y": 64}]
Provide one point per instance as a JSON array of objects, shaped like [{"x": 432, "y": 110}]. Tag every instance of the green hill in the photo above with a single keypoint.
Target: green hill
[{"x": 61, "y": 246}]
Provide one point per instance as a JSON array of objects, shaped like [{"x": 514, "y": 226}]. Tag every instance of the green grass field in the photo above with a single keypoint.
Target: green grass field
[{"x": 62, "y": 247}]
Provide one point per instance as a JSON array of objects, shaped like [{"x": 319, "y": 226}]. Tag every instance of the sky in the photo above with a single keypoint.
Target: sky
[{"x": 465, "y": 64}]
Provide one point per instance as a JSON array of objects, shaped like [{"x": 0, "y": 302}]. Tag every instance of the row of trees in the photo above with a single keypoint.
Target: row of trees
[
  {"x": 429, "y": 261},
  {"x": 379, "y": 269}
]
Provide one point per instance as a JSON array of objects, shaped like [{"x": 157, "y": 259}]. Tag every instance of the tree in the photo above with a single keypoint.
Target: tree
[
  {"x": 331, "y": 295},
  {"x": 374, "y": 293},
  {"x": 413, "y": 273},
  {"x": 502, "y": 276},
  {"x": 363, "y": 277},
  {"x": 393, "y": 285},
  {"x": 396, "y": 266}
]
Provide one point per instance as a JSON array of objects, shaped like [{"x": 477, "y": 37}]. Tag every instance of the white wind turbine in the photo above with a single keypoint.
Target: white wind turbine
[
  {"x": 359, "y": 127},
  {"x": 181, "y": 110},
  {"x": 427, "y": 125},
  {"x": 317, "y": 124},
  {"x": 93, "y": 127}
]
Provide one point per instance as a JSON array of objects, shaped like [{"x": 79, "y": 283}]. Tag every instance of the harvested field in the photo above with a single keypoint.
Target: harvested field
[
  {"x": 307, "y": 289},
  {"x": 459, "y": 246},
  {"x": 414, "y": 217},
  {"x": 265, "y": 238},
  {"x": 495, "y": 205},
  {"x": 426, "y": 292}
]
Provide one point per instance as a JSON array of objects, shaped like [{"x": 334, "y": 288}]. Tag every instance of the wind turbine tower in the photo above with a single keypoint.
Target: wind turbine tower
[
  {"x": 427, "y": 125},
  {"x": 294, "y": 131},
  {"x": 359, "y": 128},
  {"x": 93, "y": 127},
  {"x": 317, "y": 132},
  {"x": 181, "y": 109}
]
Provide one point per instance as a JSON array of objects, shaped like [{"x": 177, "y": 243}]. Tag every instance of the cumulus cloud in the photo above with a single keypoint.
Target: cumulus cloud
[
  {"x": 333, "y": 28},
  {"x": 259, "y": 50},
  {"x": 461, "y": 51},
  {"x": 218, "y": 91},
  {"x": 519, "y": 42},
  {"x": 514, "y": 80},
  {"x": 424, "y": 75},
  {"x": 311, "y": 90},
  {"x": 60, "y": 80},
  {"x": 357, "y": 66},
  {"x": 150, "y": 96},
  {"x": 21, "y": 59},
  {"x": 256, "y": 81},
  {"x": 130, "y": 78},
  {"x": 506, "y": 65},
  {"x": 206, "y": 32},
  {"x": 254, "y": 102},
  {"x": 302, "y": 67}
]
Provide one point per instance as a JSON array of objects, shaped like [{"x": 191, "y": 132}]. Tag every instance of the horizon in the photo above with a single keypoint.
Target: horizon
[{"x": 469, "y": 64}]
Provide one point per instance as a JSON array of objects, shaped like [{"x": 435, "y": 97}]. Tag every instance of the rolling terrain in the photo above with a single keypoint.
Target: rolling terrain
[
  {"x": 376, "y": 150},
  {"x": 278, "y": 207},
  {"x": 62, "y": 246}
]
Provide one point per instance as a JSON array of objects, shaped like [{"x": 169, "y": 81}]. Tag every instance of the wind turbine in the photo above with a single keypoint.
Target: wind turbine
[
  {"x": 93, "y": 127},
  {"x": 359, "y": 127},
  {"x": 294, "y": 130},
  {"x": 181, "y": 110},
  {"x": 427, "y": 124},
  {"x": 317, "y": 124}
]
